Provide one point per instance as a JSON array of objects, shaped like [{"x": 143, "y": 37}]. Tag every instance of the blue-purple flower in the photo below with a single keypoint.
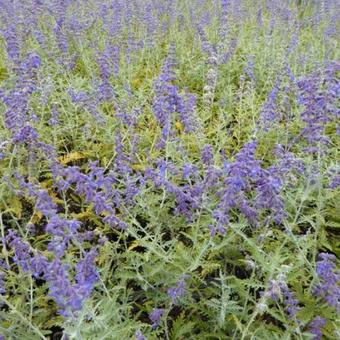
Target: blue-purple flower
[
  {"x": 329, "y": 276},
  {"x": 155, "y": 316},
  {"x": 315, "y": 327},
  {"x": 179, "y": 290}
]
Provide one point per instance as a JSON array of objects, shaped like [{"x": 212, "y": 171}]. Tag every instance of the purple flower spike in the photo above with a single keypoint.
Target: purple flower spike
[
  {"x": 329, "y": 277},
  {"x": 179, "y": 290},
  {"x": 35, "y": 60},
  {"x": 139, "y": 336},
  {"x": 315, "y": 327},
  {"x": 207, "y": 155},
  {"x": 155, "y": 317},
  {"x": 2, "y": 283}
]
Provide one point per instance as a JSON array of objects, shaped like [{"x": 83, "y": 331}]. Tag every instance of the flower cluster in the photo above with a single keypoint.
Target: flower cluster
[
  {"x": 168, "y": 100},
  {"x": 179, "y": 290},
  {"x": 98, "y": 189},
  {"x": 269, "y": 112},
  {"x": 130, "y": 129},
  {"x": 318, "y": 94},
  {"x": 278, "y": 291},
  {"x": 246, "y": 175},
  {"x": 315, "y": 327},
  {"x": 18, "y": 118},
  {"x": 68, "y": 296},
  {"x": 155, "y": 316},
  {"x": 328, "y": 289}
]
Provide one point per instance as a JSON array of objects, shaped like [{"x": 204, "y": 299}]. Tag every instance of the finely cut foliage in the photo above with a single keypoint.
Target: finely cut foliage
[{"x": 170, "y": 169}]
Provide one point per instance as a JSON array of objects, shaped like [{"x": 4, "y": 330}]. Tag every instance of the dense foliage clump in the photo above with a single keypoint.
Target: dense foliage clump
[{"x": 170, "y": 169}]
